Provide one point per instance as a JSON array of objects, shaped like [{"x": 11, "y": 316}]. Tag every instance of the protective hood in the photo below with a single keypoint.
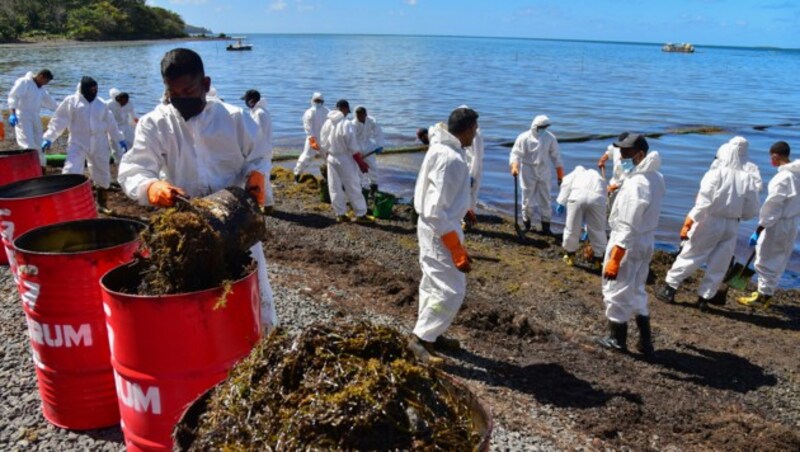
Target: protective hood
[
  {"x": 85, "y": 88},
  {"x": 435, "y": 133},
  {"x": 30, "y": 75},
  {"x": 262, "y": 103},
  {"x": 447, "y": 139},
  {"x": 733, "y": 154},
  {"x": 316, "y": 96},
  {"x": 650, "y": 163},
  {"x": 113, "y": 93},
  {"x": 793, "y": 167},
  {"x": 335, "y": 116}
]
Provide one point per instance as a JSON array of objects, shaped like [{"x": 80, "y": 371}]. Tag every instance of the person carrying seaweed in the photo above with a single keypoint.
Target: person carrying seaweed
[{"x": 198, "y": 145}]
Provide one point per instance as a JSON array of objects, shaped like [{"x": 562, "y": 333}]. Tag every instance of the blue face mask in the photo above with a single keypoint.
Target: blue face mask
[{"x": 627, "y": 165}]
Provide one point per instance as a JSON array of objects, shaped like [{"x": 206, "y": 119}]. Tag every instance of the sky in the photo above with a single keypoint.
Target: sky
[{"x": 770, "y": 23}]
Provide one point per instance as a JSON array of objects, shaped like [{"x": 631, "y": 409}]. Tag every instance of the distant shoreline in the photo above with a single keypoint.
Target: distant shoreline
[{"x": 63, "y": 42}]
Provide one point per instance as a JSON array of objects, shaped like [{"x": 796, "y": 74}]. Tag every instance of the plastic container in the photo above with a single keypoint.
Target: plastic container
[
  {"x": 59, "y": 268},
  {"x": 384, "y": 203},
  {"x": 168, "y": 350},
  {"x": 31, "y": 203}
]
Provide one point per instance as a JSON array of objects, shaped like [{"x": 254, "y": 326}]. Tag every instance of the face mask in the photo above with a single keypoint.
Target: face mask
[
  {"x": 627, "y": 165},
  {"x": 317, "y": 104},
  {"x": 87, "y": 85},
  {"x": 188, "y": 107}
]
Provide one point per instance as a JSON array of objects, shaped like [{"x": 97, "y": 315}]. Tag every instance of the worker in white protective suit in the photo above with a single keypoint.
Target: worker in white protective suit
[
  {"x": 25, "y": 102},
  {"x": 124, "y": 114},
  {"x": 91, "y": 124},
  {"x": 345, "y": 164},
  {"x": 531, "y": 157},
  {"x": 728, "y": 194},
  {"x": 474, "y": 155},
  {"x": 633, "y": 221},
  {"x": 370, "y": 140},
  {"x": 617, "y": 174},
  {"x": 441, "y": 199},
  {"x": 258, "y": 111},
  {"x": 313, "y": 120},
  {"x": 583, "y": 197},
  {"x": 775, "y": 236},
  {"x": 200, "y": 146}
]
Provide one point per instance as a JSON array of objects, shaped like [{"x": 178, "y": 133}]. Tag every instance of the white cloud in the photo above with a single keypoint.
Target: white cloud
[
  {"x": 411, "y": 2},
  {"x": 303, "y": 7},
  {"x": 277, "y": 5}
]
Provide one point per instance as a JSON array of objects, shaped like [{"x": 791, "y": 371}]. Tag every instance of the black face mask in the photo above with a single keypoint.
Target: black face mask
[
  {"x": 87, "y": 83},
  {"x": 188, "y": 107}
]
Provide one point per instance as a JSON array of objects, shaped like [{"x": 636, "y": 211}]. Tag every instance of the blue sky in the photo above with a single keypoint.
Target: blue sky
[{"x": 711, "y": 22}]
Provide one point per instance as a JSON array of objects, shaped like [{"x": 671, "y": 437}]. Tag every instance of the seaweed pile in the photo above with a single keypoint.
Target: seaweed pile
[{"x": 349, "y": 386}]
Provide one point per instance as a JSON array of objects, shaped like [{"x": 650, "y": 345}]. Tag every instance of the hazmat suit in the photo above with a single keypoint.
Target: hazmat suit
[
  {"x": 90, "y": 125},
  {"x": 313, "y": 120},
  {"x": 27, "y": 99},
  {"x": 125, "y": 117},
  {"x": 779, "y": 217},
  {"x": 215, "y": 149},
  {"x": 474, "y": 157},
  {"x": 441, "y": 198},
  {"x": 633, "y": 221},
  {"x": 728, "y": 194},
  {"x": 370, "y": 137},
  {"x": 262, "y": 118},
  {"x": 534, "y": 151},
  {"x": 339, "y": 144},
  {"x": 583, "y": 192}
]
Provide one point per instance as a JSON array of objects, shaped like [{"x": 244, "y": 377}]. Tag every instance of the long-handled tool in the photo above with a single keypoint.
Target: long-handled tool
[
  {"x": 739, "y": 275},
  {"x": 520, "y": 232}
]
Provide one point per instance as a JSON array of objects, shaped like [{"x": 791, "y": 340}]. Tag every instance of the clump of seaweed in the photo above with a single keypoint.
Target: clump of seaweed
[{"x": 351, "y": 386}]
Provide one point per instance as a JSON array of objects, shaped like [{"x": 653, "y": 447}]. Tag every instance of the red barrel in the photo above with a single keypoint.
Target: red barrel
[
  {"x": 30, "y": 203},
  {"x": 18, "y": 164},
  {"x": 59, "y": 268},
  {"x": 167, "y": 350}
]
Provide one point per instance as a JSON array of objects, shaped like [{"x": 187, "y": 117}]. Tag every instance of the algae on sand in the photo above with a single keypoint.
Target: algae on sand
[{"x": 351, "y": 386}]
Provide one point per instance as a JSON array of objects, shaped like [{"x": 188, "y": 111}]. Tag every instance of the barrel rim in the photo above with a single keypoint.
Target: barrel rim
[
  {"x": 15, "y": 152},
  {"x": 83, "y": 180},
  {"x": 46, "y": 229},
  {"x": 250, "y": 274}
]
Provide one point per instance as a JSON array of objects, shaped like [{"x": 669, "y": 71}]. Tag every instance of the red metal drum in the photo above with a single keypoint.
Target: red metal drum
[{"x": 18, "y": 164}]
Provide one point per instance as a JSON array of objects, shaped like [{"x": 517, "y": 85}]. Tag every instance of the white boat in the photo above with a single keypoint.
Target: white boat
[
  {"x": 239, "y": 45},
  {"x": 683, "y": 47}
]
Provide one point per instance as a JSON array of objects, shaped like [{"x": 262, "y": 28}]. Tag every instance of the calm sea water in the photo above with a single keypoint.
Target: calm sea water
[{"x": 410, "y": 82}]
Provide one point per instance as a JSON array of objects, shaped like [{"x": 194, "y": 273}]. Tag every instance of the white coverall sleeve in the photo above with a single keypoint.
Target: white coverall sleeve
[
  {"x": 350, "y": 137},
  {"x": 566, "y": 188},
  {"x": 48, "y": 102},
  {"x": 141, "y": 165},
  {"x": 308, "y": 123},
  {"x": 14, "y": 96},
  {"x": 517, "y": 151},
  {"x": 444, "y": 177},
  {"x": 59, "y": 122},
  {"x": 255, "y": 151},
  {"x": 705, "y": 197},
  {"x": 751, "y": 202},
  {"x": 772, "y": 210},
  {"x": 555, "y": 153},
  {"x": 377, "y": 135},
  {"x": 631, "y": 202},
  {"x": 112, "y": 128}
]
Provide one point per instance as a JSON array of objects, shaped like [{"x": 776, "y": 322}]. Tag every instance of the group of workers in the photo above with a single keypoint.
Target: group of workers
[{"x": 193, "y": 144}]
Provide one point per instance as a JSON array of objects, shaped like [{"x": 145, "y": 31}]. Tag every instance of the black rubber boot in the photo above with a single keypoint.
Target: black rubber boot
[
  {"x": 102, "y": 200},
  {"x": 447, "y": 344},
  {"x": 617, "y": 338},
  {"x": 645, "y": 345},
  {"x": 546, "y": 228},
  {"x": 702, "y": 303},
  {"x": 365, "y": 193},
  {"x": 720, "y": 297},
  {"x": 373, "y": 190},
  {"x": 423, "y": 351},
  {"x": 666, "y": 294},
  {"x": 526, "y": 223}
]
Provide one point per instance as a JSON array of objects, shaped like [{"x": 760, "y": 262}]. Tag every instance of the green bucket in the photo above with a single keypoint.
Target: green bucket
[
  {"x": 384, "y": 202},
  {"x": 56, "y": 159}
]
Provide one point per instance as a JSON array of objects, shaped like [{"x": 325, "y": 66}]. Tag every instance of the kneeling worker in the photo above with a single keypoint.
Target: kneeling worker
[{"x": 583, "y": 197}]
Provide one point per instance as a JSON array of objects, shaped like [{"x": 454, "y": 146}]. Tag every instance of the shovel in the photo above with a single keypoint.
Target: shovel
[
  {"x": 520, "y": 232},
  {"x": 739, "y": 275}
]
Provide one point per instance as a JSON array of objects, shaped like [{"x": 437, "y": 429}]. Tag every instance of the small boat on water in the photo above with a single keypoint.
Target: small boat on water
[
  {"x": 683, "y": 47},
  {"x": 239, "y": 45}
]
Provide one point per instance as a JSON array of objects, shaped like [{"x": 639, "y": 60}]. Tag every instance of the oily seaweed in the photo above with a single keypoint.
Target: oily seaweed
[
  {"x": 351, "y": 386},
  {"x": 186, "y": 253}
]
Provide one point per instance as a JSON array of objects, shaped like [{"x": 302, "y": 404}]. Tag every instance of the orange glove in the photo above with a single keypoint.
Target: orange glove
[
  {"x": 687, "y": 225},
  {"x": 612, "y": 188},
  {"x": 612, "y": 265},
  {"x": 162, "y": 194},
  {"x": 313, "y": 143},
  {"x": 560, "y": 174},
  {"x": 515, "y": 169},
  {"x": 460, "y": 257},
  {"x": 255, "y": 186}
]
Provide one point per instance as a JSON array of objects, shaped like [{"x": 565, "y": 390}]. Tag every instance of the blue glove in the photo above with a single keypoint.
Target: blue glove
[
  {"x": 378, "y": 149},
  {"x": 754, "y": 239},
  {"x": 560, "y": 209},
  {"x": 585, "y": 235},
  {"x": 123, "y": 145},
  {"x": 46, "y": 144},
  {"x": 12, "y": 119}
]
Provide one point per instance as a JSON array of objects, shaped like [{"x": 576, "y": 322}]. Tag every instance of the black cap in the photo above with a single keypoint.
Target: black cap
[
  {"x": 252, "y": 94},
  {"x": 629, "y": 140},
  {"x": 341, "y": 103}
]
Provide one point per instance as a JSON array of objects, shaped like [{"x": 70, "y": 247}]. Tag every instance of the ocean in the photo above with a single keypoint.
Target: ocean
[{"x": 406, "y": 82}]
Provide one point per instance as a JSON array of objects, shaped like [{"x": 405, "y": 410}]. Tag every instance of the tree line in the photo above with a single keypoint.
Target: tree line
[{"x": 90, "y": 20}]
